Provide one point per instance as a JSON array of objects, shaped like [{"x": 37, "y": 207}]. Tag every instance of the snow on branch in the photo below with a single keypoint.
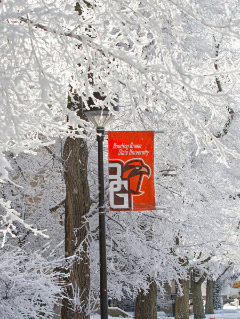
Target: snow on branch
[
  {"x": 225, "y": 27},
  {"x": 148, "y": 53},
  {"x": 8, "y": 216}
]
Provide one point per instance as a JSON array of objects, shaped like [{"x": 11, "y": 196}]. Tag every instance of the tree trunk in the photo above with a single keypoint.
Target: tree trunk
[
  {"x": 166, "y": 301},
  {"x": 146, "y": 304},
  {"x": 209, "y": 297},
  {"x": 198, "y": 308},
  {"x": 217, "y": 296},
  {"x": 75, "y": 156},
  {"x": 182, "y": 301}
]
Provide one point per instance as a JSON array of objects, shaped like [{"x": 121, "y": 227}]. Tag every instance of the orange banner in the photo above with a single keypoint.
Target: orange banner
[{"x": 131, "y": 170}]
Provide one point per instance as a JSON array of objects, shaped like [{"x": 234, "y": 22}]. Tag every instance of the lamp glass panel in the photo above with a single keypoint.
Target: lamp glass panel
[{"x": 98, "y": 117}]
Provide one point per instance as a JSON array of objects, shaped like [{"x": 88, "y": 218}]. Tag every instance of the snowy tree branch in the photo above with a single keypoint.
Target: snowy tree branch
[{"x": 9, "y": 217}]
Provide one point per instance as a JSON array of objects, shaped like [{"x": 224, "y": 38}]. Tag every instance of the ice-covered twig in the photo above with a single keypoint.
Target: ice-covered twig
[{"x": 8, "y": 216}]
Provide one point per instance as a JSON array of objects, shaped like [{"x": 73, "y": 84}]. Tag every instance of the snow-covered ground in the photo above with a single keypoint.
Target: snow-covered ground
[{"x": 228, "y": 312}]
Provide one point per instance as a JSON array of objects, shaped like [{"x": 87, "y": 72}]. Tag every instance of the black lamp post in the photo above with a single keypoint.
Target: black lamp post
[{"x": 100, "y": 117}]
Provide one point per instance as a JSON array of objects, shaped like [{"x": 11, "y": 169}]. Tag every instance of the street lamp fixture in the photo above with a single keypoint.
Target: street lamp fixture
[
  {"x": 96, "y": 114},
  {"x": 100, "y": 117}
]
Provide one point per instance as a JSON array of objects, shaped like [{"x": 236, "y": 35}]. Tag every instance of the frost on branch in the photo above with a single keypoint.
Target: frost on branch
[
  {"x": 8, "y": 217},
  {"x": 159, "y": 54},
  {"x": 28, "y": 286}
]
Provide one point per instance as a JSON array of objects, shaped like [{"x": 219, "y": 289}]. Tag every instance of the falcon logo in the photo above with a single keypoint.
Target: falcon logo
[{"x": 125, "y": 181}]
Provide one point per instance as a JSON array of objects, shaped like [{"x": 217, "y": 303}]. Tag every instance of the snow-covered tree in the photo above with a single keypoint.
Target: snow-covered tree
[
  {"x": 29, "y": 287},
  {"x": 165, "y": 60},
  {"x": 154, "y": 55},
  {"x": 32, "y": 282}
]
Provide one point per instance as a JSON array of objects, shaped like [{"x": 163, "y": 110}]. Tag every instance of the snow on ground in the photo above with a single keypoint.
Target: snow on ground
[{"x": 228, "y": 312}]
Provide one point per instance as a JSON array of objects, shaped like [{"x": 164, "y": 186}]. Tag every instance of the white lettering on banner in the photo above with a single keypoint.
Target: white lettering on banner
[
  {"x": 126, "y": 146},
  {"x": 131, "y": 152},
  {"x": 135, "y": 145},
  {"x": 121, "y": 188},
  {"x": 115, "y": 186},
  {"x": 130, "y": 149},
  {"x": 122, "y": 152}
]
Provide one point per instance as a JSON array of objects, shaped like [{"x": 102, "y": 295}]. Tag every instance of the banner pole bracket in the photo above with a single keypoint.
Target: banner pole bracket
[{"x": 156, "y": 132}]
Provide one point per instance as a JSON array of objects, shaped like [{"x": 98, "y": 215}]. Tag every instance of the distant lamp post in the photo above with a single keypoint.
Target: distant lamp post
[{"x": 100, "y": 117}]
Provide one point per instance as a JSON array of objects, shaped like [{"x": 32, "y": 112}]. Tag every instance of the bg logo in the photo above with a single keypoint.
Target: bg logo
[{"x": 125, "y": 181}]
